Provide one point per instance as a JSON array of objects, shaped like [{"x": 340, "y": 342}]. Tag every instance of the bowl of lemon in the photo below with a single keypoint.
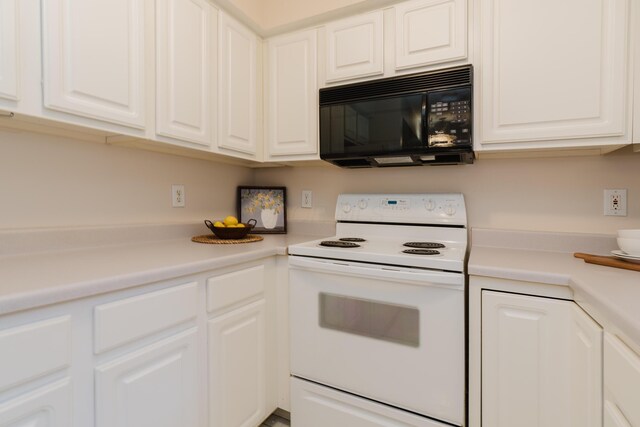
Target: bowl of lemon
[{"x": 230, "y": 228}]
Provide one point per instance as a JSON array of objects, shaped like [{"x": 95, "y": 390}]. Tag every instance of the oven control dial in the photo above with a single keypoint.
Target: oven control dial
[
  {"x": 362, "y": 204},
  {"x": 346, "y": 207},
  {"x": 430, "y": 205},
  {"x": 450, "y": 210}
]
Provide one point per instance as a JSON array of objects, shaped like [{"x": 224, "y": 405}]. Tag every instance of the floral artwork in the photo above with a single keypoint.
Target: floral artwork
[{"x": 267, "y": 205}]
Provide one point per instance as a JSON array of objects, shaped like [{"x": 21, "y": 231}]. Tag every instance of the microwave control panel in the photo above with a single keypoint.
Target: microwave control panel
[{"x": 449, "y": 118}]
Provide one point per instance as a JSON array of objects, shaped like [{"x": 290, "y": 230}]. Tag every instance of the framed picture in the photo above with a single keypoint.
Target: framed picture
[{"x": 267, "y": 205}]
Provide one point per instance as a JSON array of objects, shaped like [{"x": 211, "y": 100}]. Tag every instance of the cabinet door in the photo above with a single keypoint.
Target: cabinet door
[
  {"x": 237, "y": 92},
  {"x": 292, "y": 111},
  {"x": 549, "y": 73},
  {"x": 9, "y": 49},
  {"x": 48, "y": 406},
  {"x": 621, "y": 383},
  {"x": 430, "y": 32},
  {"x": 183, "y": 39},
  {"x": 154, "y": 386},
  {"x": 355, "y": 47},
  {"x": 237, "y": 370},
  {"x": 94, "y": 59},
  {"x": 585, "y": 366},
  {"x": 536, "y": 355}
]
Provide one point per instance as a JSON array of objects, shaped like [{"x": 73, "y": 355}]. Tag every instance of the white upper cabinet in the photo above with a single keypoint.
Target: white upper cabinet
[
  {"x": 292, "y": 97},
  {"x": 430, "y": 32},
  {"x": 354, "y": 47},
  {"x": 93, "y": 53},
  {"x": 553, "y": 71},
  {"x": 237, "y": 88},
  {"x": 183, "y": 58},
  {"x": 9, "y": 49}
]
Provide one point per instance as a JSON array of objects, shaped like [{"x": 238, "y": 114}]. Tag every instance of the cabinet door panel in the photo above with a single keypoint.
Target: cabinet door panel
[
  {"x": 622, "y": 379},
  {"x": 524, "y": 383},
  {"x": 155, "y": 386},
  {"x": 94, "y": 59},
  {"x": 48, "y": 406},
  {"x": 586, "y": 370},
  {"x": 184, "y": 69},
  {"x": 355, "y": 47},
  {"x": 9, "y": 49},
  {"x": 237, "y": 354},
  {"x": 430, "y": 32},
  {"x": 237, "y": 87},
  {"x": 551, "y": 73},
  {"x": 292, "y": 115}
]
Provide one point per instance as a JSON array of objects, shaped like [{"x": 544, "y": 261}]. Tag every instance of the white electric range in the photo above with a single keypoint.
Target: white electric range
[{"x": 378, "y": 314}]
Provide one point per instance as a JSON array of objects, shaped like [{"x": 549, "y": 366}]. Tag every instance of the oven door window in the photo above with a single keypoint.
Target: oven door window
[
  {"x": 374, "y": 126},
  {"x": 382, "y": 321}
]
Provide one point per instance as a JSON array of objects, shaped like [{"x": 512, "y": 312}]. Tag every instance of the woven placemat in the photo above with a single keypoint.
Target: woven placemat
[{"x": 212, "y": 239}]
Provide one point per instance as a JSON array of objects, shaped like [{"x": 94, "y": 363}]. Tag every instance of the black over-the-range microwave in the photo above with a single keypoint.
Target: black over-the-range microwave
[{"x": 417, "y": 119}]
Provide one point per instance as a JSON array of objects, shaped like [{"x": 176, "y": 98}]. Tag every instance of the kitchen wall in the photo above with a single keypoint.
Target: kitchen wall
[
  {"x": 49, "y": 181},
  {"x": 552, "y": 194}
]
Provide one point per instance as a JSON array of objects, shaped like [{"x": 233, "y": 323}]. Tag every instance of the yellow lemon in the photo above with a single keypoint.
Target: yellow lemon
[
  {"x": 218, "y": 224},
  {"x": 230, "y": 220},
  {"x": 232, "y": 226},
  {"x": 240, "y": 225}
]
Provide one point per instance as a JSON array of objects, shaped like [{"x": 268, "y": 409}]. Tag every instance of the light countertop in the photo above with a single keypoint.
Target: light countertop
[
  {"x": 34, "y": 279},
  {"x": 610, "y": 295}
]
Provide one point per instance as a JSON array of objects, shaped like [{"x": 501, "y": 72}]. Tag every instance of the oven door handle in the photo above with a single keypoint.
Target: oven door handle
[{"x": 410, "y": 276}]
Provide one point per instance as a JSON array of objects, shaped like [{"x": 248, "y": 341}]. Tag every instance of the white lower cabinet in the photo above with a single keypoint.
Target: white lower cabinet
[
  {"x": 185, "y": 352},
  {"x": 242, "y": 365},
  {"x": 154, "y": 386},
  {"x": 34, "y": 372},
  {"x": 313, "y": 405},
  {"x": 621, "y": 384},
  {"x": 237, "y": 370},
  {"x": 541, "y": 363},
  {"x": 48, "y": 406}
]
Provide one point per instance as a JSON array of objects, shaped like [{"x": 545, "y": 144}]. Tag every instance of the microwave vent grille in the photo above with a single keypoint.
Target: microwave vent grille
[{"x": 423, "y": 82}]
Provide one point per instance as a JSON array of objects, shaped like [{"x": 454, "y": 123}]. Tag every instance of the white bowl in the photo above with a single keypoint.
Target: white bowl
[
  {"x": 629, "y": 234},
  {"x": 629, "y": 246}
]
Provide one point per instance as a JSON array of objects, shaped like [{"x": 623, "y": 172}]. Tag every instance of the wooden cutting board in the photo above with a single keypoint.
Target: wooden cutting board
[{"x": 608, "y": 261}]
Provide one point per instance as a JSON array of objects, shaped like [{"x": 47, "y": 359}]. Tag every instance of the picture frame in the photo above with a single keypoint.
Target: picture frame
[{"x": 267, "y": 205}]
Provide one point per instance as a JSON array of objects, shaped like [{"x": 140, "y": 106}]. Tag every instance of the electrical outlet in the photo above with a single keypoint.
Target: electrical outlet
[
  {"x": 615, "y": 202},
  {"x": 306, "y": 199},
  {"x": 177, "y": 196}
]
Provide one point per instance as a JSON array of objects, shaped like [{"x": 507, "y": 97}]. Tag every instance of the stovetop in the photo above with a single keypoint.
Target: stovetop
[{"x": 411, "y": 230}]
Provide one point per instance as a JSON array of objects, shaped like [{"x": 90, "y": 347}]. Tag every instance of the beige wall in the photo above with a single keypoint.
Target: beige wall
[
  {"x": 49, "y": 181},
  {"x": 555, "y": 194}
]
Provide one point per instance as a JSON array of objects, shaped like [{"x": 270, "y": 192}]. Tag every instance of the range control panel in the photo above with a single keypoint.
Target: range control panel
[{"x": 434, "y": 208}]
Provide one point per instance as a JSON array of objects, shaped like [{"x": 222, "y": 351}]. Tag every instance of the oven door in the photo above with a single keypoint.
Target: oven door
[{"x": 394, "y": 335}]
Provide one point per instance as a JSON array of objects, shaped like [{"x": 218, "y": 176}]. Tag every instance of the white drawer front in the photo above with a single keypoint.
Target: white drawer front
[
  {"x": 34, "y": 350},
  {"x": 229, "y": 289},
  {"x": 313, "y": 405},
  {"x": 126, "y": 320},
  {"x": 622, "y": 378}
]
